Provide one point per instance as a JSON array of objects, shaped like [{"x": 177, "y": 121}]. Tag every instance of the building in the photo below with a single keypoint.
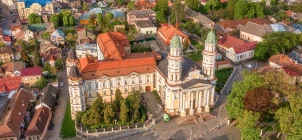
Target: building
[
  {"x": 51, "y": 55},
  {"x": 38, "y": 127},
  {"x": 9, "y": 3},
  {"x": 84, "y": 36},
  {"x": 48, "y": 98},
  {"x": 183, "y": 86},
  {"x": 226, "y": 26},
  {"x": 137, "y": 15},
  {"x": 12, "y": 69},
  {"x": 112, "y": 46},
  {"x": 199, "y": 18},
  {"x": 86, "y": 49},
  {"x": 166, "y": 33},
  {"x": 16, "y": 116},
  {"x": 145, "y": 27},
  {"x": 235, "y": 49},
  {"x": 57, "y": 37},
  {"x": 298, "y": 28},
  {"x": 254, "y": 32},
  {"x": 26, "y": 7},
  {"x": 10, "y": 84},
  {"x": 118, "y": 14},
  {"x": 145, "y": 4},
  {"x": 31, "y": 75},
  {"x": 296, "y": 56},
  {"x": 6, "y": 55},
  {"x": 17, "y": 30}
]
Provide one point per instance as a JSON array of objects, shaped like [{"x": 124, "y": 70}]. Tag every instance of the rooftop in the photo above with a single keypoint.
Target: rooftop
[
  {"x": 141, "y": 12},
  {"x": 234, "y": 23},
  {"x": 31, "y": 71},
  {"x": 238, "y": 45},
  {"x": 256, "y": 29},
  {"x": 168, "y": 31},
  {"x": 9, "y": 84},
  {"x": 28, "y": 3},
  {"x": 280, "y": 59},
  {"x": 144, "y": 23},
  {"x": 39, "y": 122}
]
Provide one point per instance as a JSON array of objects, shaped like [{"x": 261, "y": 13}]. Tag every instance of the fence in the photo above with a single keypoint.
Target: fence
[
  {"x": 85, "y": 133},
  {"x": 227, "y": 82}
]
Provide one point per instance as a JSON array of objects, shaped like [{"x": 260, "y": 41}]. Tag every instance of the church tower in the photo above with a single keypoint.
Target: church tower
[
  {"x": 209, "y": 55},
  {"x": 175, "y": 61},
  {"x": 71, "y": 60}
]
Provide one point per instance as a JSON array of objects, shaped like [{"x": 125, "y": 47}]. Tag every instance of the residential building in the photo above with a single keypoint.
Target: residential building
[
  {"x": 254, "y": 32},
  {"x": 298, "y": 28},
  {"x": 1, "y": 36},
  {"x": 235, "y": 49},
  {"x": 38, "y": 127},
  {"x": 12, "y": 69},
  {"x": 296, "y": 56},
  {"x": 75, "y": 4},
  {"x": 166, "y": 32},
  {"x": 26, "y": 7},
  {"x": 102, "y": 4},
  {"x": 199, "y": 18},
  {"x": 226, "y": 26},
  {"x": 33, "y": 31},
  {"x": 6, "y": 55},
  {"x": 118, "y": 14},
  {"x": 84, "y": 36},
  {"x": 145, "y": 27},
  {"x": 16, "y": 30},
  {"x": 31, "y": 75},
  {"x": 112, "y": 46},
  {"x": 7, "y": 40},
  {"x": 58, "y": 37},
  {"x": 16, "y": 116},
  {"x": 45, "y": 46},
  {"x": 48, "y": 98},
  {"x": 10, "y": 84},
  {"x": 182, "y": 85},
  {"x": 137, "y": 15},
  {"x": 51, "y": 55},
  {"x": 86, "y": 49},
  {"x": 145, "y": 4},
  {"x": 9, "y": 3},
  {"x": 279, "y": 60}
]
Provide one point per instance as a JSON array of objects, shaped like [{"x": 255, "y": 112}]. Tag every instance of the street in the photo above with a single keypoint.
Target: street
[
  {"x": 5, "y": 25},
  {"x": 60, "y": 109}
]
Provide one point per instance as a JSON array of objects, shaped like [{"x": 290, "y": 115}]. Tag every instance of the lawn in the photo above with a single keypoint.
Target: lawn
[
  {"x": 222, "y": 76},
  {"x": 195, "y": 56},
  {"x": 135, "y": 49},
  {"x": 68, "y": 126}
]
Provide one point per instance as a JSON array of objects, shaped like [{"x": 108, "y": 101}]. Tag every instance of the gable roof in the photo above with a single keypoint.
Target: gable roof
[
  {"x": 234, "y": 23},
  {"x": 9, "y": 84},
  {"x": 277, "y": 28},
  {"x": 144, "y": 23},
  {"x": 142, "y": 12},
  {"x": 238, "y": 45},
  {"x": 256, "y": 29},
  {"x": 168, "y": 31},
  {"x": 7, "y": 50},
  {"x": 14, "y": 27},
  {"x": 280, "y": 59},
  {"x": 293, "y": 69},
  {"x": 193, "y": 82},
  {"x": 112, "y": 45},
  {"x": 205, "y": 21},
  {"x": 31, "y": 71},
  {"x": 14, "y": 114},
  {"x": 58, "y": 33},
  {"x": 296, "y": 55},
  {"x": 13, "y": 66},
  {"x": 38, "y": 122},
  {"x": 49, "y": 96}
]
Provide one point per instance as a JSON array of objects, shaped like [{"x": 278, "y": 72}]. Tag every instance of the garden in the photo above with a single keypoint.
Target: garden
[
  {"x": 222, "y": 76},
  {"x": 68, "y": 126}
]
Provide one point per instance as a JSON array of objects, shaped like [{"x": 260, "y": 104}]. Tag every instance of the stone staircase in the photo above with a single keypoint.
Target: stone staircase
[{"x": 186, "y": 119}]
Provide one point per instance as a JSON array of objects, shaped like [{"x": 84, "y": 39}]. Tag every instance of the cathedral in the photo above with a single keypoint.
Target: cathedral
[{"x": 184, "y": 87}]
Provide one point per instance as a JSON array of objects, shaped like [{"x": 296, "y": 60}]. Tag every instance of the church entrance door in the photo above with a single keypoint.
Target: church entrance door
[{"x": 148, "y": 88}]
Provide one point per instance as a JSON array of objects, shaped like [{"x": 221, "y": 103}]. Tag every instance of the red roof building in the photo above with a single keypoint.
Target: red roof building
[
  {"x": 166, "y": 32},
  {"x": 9, "y": 84},
  {"x": 229, "y": 25},
  {"x": 236, "y": 49},
  {"x": 113, "y": 45},
  {"x": 31, "y": 71}
]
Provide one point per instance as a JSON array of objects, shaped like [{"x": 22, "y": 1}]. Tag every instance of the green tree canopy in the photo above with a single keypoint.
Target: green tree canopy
[
  {"x": 46, "y": 67},
  {"x": 131, "y": 6},
  {"x": 213, "y": 5},
  {"x": 124, "y": 111},
  {"x": 117, "y": 100},
  {"x": 194, "y": 5},
  {"x": 248, "y": 126},
  {"x": 109, "y": 114},
  {"x": 2, "y": 45},
  {"x": 109, "y": 16},
  {"x": 162, "y": 11},
  {"x": 177, "y": 11},
  {"x": 45, "y": 35},
  {"x": 41, "y": 83},
  {"x": 244, "y": 9},
  {"x": 59, "y": 64},
  {"x": 32, "y": 18},
  {"x": 37, "y": 59}
]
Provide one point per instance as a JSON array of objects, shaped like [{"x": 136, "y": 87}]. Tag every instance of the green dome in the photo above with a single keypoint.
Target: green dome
[
  {"x": 211, "y": 37},
  {"x": 175, "y": 42}
]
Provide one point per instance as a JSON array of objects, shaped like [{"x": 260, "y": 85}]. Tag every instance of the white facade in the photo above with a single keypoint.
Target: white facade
[
  {"x": 83, "y": 50},
  {"x": 249, "y": 37},
  {"x": 236, "y": 57},
  {"x": 28, "y": 34},
  {"x": 148, "y": 30},
  {"x": 9, "y": 3}
]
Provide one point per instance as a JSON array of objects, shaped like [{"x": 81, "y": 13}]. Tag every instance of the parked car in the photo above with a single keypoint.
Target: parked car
[
  {"x": 61, "y": 84},
  {"x": 3, "y": 19},
  {"x": 251, "y": 66},
  {"x": 14, "y": 17},
  {"x": 14, "y": 21},
  {"x": 50, "y": 127},
  {"x": 299, "y": 47}
]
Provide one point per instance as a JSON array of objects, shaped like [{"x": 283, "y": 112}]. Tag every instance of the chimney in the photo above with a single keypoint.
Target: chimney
[{"x": 40, "y": 119}]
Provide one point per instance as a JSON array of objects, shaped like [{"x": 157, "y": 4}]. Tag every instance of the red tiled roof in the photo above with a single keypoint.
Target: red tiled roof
[
  {"x": 15, "y": 27},
  {"x": 14, "y": 114},
  {"x": 238, "y": 45},
  {"x": 39, "y": 122},
  {"x": 293, "y": 69},
  {"x": 23, "y": 21},
  {"x": 223, "y": 62},
  {"x": 168, "y": 31},
  {"x": 51, "y": 58},
  {"x": 234, "y": 23},
  {"x": 9, "y": 84},
  {"x": 136, "y": 62},
  {"x": 31, "y": 71},
  {"x": 112, "y": 45},
  {"x": 7, "y": 39},
  {"x": 280, "y": 59},
  {"x": 288, "y": 13}
]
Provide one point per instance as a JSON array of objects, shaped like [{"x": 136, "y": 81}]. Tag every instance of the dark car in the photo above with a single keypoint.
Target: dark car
[
  {"x": 14, "y": 21},
  {"x": 51, "y": 125}
]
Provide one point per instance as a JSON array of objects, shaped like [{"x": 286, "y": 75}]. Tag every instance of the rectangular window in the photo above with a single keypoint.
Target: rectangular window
[
  {"x": 176, "y": 95},
  {"x": 89, "y": 94},
  {"x": 104, "y": 84},
  {"x": 111, "y": 92},
  {"x": 140, "y": 88},
  {"x": 133, "y": 89},
  {"x": 133, "y": 81},
  {"x": 96, "y": 85},
  {"x": 89, "y": 86},
  {"x": 104, "y": 92},
  {"x": 126, "y": 90},
  {"x": 126, "y": 82},
  {"x": 110, "y": 83}
]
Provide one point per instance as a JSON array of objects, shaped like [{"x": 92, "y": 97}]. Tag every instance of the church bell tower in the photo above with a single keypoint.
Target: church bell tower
[
  {"x": 175, "y": 61},
  {"x": 209, "y": 55}
]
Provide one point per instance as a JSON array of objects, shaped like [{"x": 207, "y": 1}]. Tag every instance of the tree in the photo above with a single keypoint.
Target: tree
[
  {"x": 162, "y": 9},
  {"x": 194, "y": 5},
  {"x": 39, "y": 20},
  {"x": 71, "y": 21},
  {"x": 109, "y": 16},
  {"x": 37, "y": 59},
  {"x": 248, "y": 126},
  {"x": 32, "y": 18},
  {"x": 185, "y": 46},
  {"x": 70, "y": 38},
  {"x": 99, "y": 18},
  {"x": 94, "y": 116},
  {"x": 46, "y": 67},
  {"x": 108, "y": 114},
  {"x": 45, "y": 35},
  {"x": 65, "y": 21},
  {"x": 55, "y": 19},
  {"x": 124, "y": 111},
  {"x": 290, "y": 118},
  {"x": 41, "y": 83},
  {"x": 120, "y": 2},
  {"x": 177, "y": 11},
  {"x": 118, "y": 98},
  {"x": 241, "y": 8},
  {"x": 59, "y": 64},
  {"x": 85, "y": 6},
  {"x": 212, "y": 5},
  {"x": 259, "y": 100},
  {"x": 2, "y": 45},
  {"x": 160, "y": 17},
  {"x": 134, "y": 104},
  {"x": 131, "y": 6}
]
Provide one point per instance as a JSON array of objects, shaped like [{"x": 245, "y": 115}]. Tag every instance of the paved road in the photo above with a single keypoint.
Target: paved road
[
  {"x": 60, "y": 109},
  {"x": 5, "y": 25}
]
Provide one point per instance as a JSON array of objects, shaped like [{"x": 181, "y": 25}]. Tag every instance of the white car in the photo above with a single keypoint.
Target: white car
[
  {"x": 299, "y": 47},
  {"x": 61, "y": 84},
  {"x": 251, "y": 66},
  {"x": 3, "y": 19}
]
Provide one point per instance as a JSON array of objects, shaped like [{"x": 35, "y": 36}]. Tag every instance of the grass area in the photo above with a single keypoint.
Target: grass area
[
  {"x": 222, "y": 76},
  {"x": 193, "y": 42},
  {"x": 68, "y": 126},
  {"x": 195, "y": 56},
  {"x": 135, "y": 49}
]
